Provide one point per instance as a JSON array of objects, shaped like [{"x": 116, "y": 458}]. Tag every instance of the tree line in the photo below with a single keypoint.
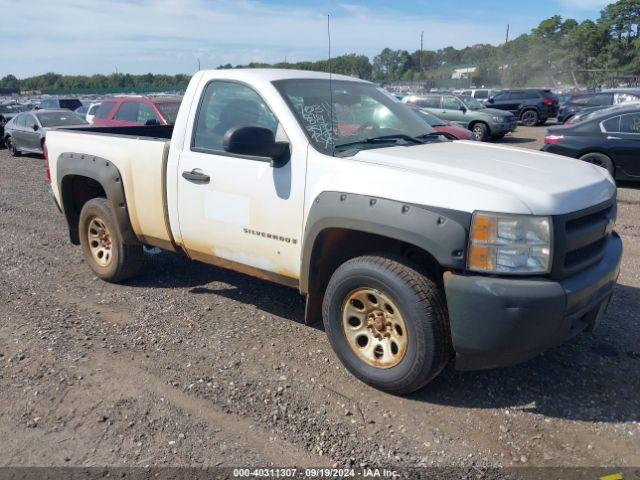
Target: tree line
[{"x": 556, "y": 50}]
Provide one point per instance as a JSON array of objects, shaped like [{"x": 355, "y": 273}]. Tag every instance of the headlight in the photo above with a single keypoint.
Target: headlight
[
  {"x": 501, "y": 243},
  {"x": 499, "y": 119}
]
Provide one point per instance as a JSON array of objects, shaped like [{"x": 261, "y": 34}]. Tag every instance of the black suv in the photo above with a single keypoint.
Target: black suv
[{"x": 530, "y": 106}]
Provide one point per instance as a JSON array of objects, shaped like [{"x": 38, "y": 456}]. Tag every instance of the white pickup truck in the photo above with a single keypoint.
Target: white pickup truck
[{"x": 413, "y": 249}]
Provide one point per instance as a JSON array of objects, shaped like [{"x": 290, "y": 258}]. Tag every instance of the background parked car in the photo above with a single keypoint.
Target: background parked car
[
  {"x": 594, "y": 101},
  {"x": 442, "y": 126},
  {"x": 81, "y": 111},
  {"x": 7, "y": 112},
  {"x": 57, "y": 103},
  {"x": 530, "y": 106},
  {"x": 481, "y": 94},
  {"x": 26, "y": 132},
  {"x": 130, "y": 111},
  {"x": 609, "y": 138},
  {"x": 485, "y": 123},
  {"x": 91, "y": 112}
]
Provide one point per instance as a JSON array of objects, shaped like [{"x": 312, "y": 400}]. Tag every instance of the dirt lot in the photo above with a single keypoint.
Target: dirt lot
[{"x": 193, "y": 365}]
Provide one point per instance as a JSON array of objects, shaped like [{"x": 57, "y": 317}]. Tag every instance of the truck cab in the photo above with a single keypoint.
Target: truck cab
[{"x": 412, "y": 249}]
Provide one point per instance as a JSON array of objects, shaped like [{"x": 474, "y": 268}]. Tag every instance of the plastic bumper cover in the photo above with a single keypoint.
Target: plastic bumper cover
[{"x": 498, "y": 321}]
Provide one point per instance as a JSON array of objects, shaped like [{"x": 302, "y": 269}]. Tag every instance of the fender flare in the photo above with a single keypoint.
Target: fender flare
[
  {"x": 104, "y": 172},
  {"x": 443, "y": 233}
]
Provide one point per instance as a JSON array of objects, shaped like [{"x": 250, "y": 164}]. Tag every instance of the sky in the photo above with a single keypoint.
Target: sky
[{"x": 83, "y": 37}]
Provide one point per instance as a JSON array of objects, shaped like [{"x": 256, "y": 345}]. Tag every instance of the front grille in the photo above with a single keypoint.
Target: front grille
[{"x": 580, "y": 238}]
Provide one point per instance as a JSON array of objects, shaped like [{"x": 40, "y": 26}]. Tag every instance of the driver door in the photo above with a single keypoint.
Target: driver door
[
  {"x": 239, "y": 211},
  {"x": 31, "y": 139},
  {"x": 451, "y": 107}
]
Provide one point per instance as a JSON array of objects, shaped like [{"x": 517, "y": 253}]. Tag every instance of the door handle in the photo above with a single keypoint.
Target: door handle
[{"x": 196, "y": 175}]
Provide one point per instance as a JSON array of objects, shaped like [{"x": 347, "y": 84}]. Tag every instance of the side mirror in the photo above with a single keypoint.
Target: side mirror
[
  {"x": 35, "y": 127},
  {"x": 256, "y": 142},
  {"x": 490, "y": 100},
  {"x": 462, "y": 108}
]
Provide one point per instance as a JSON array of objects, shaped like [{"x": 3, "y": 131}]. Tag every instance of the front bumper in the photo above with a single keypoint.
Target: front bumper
[
  {"x": 498, "y": 321},
  {"x": 506, "y": 127}
]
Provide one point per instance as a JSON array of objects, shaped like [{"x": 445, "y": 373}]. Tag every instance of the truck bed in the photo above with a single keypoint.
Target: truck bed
[{"x": 140, "y": 154}]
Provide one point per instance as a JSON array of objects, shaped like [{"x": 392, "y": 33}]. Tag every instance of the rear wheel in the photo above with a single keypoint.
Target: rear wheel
[
  {"x": 529, "y": 118},
  {"x": 387, "y": 323},
  {"x": 601, "y": 160},
  {"x": 108, "y": 257}
]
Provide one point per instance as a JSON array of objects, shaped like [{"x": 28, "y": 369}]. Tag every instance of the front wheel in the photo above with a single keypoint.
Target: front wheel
[
  {"x": 480, "y": 131},
  {"x": 11, "y": 146},
  {"x": 108, "y": 257},
  {"x": 387, "y": 323}
]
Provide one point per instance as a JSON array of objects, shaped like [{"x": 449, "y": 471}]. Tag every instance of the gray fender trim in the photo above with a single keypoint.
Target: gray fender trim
[
  {"x": 441, "y": 232},
  {"x": 108, "y": 176}
]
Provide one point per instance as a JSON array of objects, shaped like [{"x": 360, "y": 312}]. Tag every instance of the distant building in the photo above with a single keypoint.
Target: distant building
[{"x": 468, "y": 72}]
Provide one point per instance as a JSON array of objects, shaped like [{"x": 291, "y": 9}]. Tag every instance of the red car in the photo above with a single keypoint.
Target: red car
[
  {"x": 131, "y": 111},
  {"x": 443, "y": 126}
]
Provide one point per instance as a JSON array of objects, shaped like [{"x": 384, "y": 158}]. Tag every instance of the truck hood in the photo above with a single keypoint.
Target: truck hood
[{"x": 546, "y": 184}]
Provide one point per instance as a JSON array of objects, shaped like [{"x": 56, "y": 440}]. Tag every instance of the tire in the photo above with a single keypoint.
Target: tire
[
  {"x": 601, "y": 160},
  {"x": 529, "y": 118},
  {"x": 13, "y": 151},
  {"x": 98, "y": 232},
  {"x": 417, "y": 304},
  {"x": 480, "y": 131}
]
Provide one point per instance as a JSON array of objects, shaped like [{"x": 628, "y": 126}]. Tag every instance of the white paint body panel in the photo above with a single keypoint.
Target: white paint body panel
[
  {"x": 140, "y": 164},
  {"x": 246, "y": 194}
]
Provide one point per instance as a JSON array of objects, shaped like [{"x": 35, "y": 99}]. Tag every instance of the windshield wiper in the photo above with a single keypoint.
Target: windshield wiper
[
  {"x": 434, "y": 135},
  {"x": 382, "y": 139}
]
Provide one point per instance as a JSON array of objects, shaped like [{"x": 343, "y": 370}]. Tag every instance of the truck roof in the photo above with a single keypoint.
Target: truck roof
[{"x": 273, "y": 74}]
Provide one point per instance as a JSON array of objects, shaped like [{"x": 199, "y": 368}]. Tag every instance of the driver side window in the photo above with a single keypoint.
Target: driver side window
[
  {"x": 226, "y": 105},
  {"x": 450, "y": 103}
]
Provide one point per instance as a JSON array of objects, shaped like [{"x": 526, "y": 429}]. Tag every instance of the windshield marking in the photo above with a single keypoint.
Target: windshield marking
[{"x": 319, "y": 128}]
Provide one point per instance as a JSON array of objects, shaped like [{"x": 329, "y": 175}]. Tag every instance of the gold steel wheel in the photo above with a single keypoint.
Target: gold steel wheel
[
  {"x": 100, "y": 242},
  {"x": 374, "y": 328}
]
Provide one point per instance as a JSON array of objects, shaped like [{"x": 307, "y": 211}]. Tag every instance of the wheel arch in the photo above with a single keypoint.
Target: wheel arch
[
  {"x": 341, "y": 226},
  {"x": 526, "y": 108},
  {"x": 600, "y": 151},
  {"x": 83, "y": 177}
]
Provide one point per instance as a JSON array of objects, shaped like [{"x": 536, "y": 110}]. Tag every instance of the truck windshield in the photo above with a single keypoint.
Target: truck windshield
[{"x": 361, "y": 112}]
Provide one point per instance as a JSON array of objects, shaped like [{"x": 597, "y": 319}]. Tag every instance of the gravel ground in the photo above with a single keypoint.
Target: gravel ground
[{"x": 193, "y": 365}]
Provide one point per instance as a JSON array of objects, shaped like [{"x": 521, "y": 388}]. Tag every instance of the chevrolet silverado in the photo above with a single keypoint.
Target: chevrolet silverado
[{"x": 412, "y": 249}]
